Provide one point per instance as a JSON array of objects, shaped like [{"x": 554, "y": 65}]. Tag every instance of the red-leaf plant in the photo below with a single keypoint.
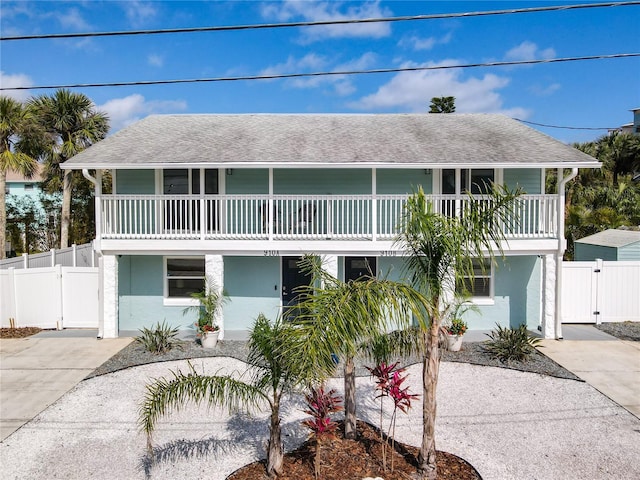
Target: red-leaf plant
[
  {"x": 320, "y": 405},
  {"x": 389, "y": 381}
]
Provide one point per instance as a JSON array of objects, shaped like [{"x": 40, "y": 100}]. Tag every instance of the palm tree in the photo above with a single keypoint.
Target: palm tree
[
  {"x": 442, "y": 105},
  {"x": 336, "y": 317},
  {"x": 620, "y": 153},
  {"x": 270, "y": 378},
  {"x": 72, "y": 124},
  {"x": 440, "y": 253},
  {"x": 14, "y": 125}
]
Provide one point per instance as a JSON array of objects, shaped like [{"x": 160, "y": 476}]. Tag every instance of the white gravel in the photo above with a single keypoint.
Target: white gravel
[{"x": 508, "y": 424}]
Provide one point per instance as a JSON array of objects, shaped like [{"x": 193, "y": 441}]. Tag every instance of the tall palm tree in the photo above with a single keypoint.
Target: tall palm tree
[
  {"x": 270, "y": 378},
  {"x": 336, "y": 317},
  {"x": 14, "y": 125},
  {"x": 440, "y": 253},
  {"x": 72, "y": 124},
  {"x": 620, "y": 153}
]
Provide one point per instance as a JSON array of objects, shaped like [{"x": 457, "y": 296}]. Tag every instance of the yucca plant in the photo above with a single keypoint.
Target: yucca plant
[
  {"x": 158, "y": 339},
  {"x": 511, "y": 344},
  {"x": 269, "y": 377}
]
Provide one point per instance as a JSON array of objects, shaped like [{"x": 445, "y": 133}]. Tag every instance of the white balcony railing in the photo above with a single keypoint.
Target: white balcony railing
[{"x": 293, "y": 217}]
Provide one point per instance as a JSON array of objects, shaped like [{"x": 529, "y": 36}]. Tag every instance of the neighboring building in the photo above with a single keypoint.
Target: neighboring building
[
  {"x": 20, "y": 186},
  {"x": 612, "y": 245},
  {"x": 239, "y": 198},
  {"x": 632, "y": 127}
]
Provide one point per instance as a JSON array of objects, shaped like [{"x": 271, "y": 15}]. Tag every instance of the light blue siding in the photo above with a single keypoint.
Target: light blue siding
[
  {"x": 529, "y": 179},
  {"x": 131, "y": 182},
  {"x": 629, "y": 252},
  {"x": 326, "y": 181},
  {"x": 247, "y": 181},
  {"x": 585, "y": 252},
  {"x": 23, "y": 189},
  {"x": 140, "y": 293},
  {"x": 517, "y": 296},
  {"x": 253, "y": 286},
  {"x": 402, "y": 181}
]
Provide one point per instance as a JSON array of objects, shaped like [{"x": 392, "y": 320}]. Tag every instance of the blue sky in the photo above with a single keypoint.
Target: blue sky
[{"x": 596, "y": 93}]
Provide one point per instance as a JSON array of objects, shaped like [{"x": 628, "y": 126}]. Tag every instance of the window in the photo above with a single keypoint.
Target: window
[
  {"x": 357, "y": 268},
  {"x": 184, "y": 276},
  {"x": 481, "y": 285},
  {"x": 28, "y": 186},
  {"x": 184, "y": 181},
  {"x": 474, "y": 180}
]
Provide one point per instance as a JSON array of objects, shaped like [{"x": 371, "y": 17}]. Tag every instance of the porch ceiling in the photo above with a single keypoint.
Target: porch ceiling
[{"x": 300, "y": 140}]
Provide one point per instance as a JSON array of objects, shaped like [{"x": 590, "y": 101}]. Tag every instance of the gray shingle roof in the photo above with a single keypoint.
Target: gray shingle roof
[
  {"x": 410, "y": 140},
  {"x": 612, "y": 238}
]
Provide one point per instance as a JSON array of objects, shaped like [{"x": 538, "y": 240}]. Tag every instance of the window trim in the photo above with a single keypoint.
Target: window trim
[
  {"x": 490, "y": 275},
  {"x": 178, "y": 301}
]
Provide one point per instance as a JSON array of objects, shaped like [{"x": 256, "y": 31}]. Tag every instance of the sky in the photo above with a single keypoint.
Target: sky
[{"x": 585, "y": 94}]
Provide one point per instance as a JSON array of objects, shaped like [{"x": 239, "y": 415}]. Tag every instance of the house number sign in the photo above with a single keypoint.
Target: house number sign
[{"x": 272, "y": 253}]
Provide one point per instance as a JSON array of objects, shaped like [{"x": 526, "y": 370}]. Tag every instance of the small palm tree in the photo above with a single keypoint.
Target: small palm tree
[
  {"x": 14, "y": 124},
  {"x": 335, "y": 318},
  {"x": 71, "y": 123},
  {"x": 211, "y": 300},
  {"x": 270, "y": 378},
  {"x": 440, "y": 254}
]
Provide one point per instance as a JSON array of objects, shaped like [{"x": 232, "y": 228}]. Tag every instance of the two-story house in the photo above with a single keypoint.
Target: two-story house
[{"x": 239, "y": 198}]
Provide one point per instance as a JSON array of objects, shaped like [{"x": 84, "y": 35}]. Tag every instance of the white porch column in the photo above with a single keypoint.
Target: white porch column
[
  {"x": 214, "y": 271},
  {"x": 330, "y": 264},
  {"x": 108, "y": 324},
  {"x": 549, "y": 269}
]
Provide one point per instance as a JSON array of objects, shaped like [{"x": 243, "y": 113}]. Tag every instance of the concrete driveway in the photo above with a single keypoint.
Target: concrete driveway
[
  {"x": 610, "y": 365},
  {"x": 36, "y": 371}
]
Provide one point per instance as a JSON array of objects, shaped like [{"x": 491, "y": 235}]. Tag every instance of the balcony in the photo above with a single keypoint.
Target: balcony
[{"x": 293, "y": 217}]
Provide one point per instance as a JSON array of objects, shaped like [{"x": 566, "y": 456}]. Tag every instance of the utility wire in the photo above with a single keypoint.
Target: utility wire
[
  {"x": 567, "y": 128},
  {"x": 323, "y": 22},
  {"x": 323, "y": 74}
]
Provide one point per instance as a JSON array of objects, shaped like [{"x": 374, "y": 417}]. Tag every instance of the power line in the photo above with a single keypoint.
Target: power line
[
  {"x": 323, "y": 74},
  {"x": 567, "y": 128},
  {"x": 322, "y": 22}
]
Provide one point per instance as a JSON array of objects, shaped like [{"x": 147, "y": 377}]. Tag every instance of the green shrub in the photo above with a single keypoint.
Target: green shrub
[
  {"x": 159, "y": 339},
  {"x": 508, "y": 344}
]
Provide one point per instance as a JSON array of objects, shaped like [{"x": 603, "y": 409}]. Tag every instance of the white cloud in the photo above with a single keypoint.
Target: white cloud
[
  {"x": 412, "y": 91},
  {"x": 127, "y": 110},
  {"x": 529, "y": 51},
  {"x": 342, "y": 85},
  {"x": 72, "y": 19},
  {"x": 313, "y": 11},
  {"x": 138, "y": 12},
  {"x": 544, "y": 91},
  {"x": 420, "y": 44},
  {"x": 155, "y": 60},
  {"x": 16, "y": 80}
]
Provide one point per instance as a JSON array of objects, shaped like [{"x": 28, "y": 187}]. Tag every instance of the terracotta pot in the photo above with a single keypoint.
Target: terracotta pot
[
  {"x": 454, "y": 342},
  {"x": 209, "y": 339}
]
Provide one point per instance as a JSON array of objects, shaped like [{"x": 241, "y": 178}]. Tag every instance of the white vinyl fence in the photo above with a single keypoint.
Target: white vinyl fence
[
  {"x": 52, "y": 297},
  {"x": 598, "y": 291},
  {"x": 73, "y": 256}
]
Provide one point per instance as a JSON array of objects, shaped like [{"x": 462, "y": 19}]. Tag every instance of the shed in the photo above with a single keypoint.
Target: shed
[{"x": 610, "y": 245}]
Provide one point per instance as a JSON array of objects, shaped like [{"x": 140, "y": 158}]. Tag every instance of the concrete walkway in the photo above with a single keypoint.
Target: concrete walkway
[
  {"x": 38, "y": 370},
  {"x": 610, "y": 365}
]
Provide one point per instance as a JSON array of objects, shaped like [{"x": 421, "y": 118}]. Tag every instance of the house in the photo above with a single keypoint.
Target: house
[
  {"x": 611, "y": 245},
  {"x": 239, "y": 198}
]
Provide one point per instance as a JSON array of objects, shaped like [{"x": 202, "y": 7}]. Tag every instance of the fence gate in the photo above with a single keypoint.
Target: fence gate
[{"x": 596, "y": 292}]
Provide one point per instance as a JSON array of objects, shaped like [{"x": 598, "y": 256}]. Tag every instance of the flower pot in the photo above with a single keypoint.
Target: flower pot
[
  {"x": 454, "y": 342},
  {"x": 209, "y": 339}
]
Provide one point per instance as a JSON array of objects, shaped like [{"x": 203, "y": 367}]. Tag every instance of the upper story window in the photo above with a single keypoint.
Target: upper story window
[
  {"x": 186, "y": 181},
  {"x": 473, "y": 180},
  {"x": 28, "y": 186}
]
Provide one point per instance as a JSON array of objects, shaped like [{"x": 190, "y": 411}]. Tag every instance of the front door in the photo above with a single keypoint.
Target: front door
[{"x": 292, "y": 278}]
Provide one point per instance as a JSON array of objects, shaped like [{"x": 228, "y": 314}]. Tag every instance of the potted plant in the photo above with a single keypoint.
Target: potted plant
[
  {"x": 210, "y": 302},
  {"x": 455, "y": 330}
]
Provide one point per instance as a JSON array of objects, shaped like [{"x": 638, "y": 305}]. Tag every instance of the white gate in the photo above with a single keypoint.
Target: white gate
[
  {"x": 52, "y": 297},
  {"x": 596, "y": 292}
]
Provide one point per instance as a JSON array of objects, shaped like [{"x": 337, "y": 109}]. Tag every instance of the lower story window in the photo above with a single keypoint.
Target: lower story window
[
  {"x": 480, "y": 286},
  {"x": 184, "y": 276}
]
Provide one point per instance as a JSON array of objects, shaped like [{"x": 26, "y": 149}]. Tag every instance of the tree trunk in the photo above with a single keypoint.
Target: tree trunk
[
  {"x": 3, "y": 213},
  {"x": 349, "y": 399},
  {"x": 430, "y": 368},
  {"x": 275, "y": 450},
  {"x": 65, "y": 220}
]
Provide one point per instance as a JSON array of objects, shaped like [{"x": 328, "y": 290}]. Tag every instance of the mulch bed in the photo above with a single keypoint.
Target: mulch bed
[
  {"x": 20, "y": 332},
  {"x": 357, "y": 459}
]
